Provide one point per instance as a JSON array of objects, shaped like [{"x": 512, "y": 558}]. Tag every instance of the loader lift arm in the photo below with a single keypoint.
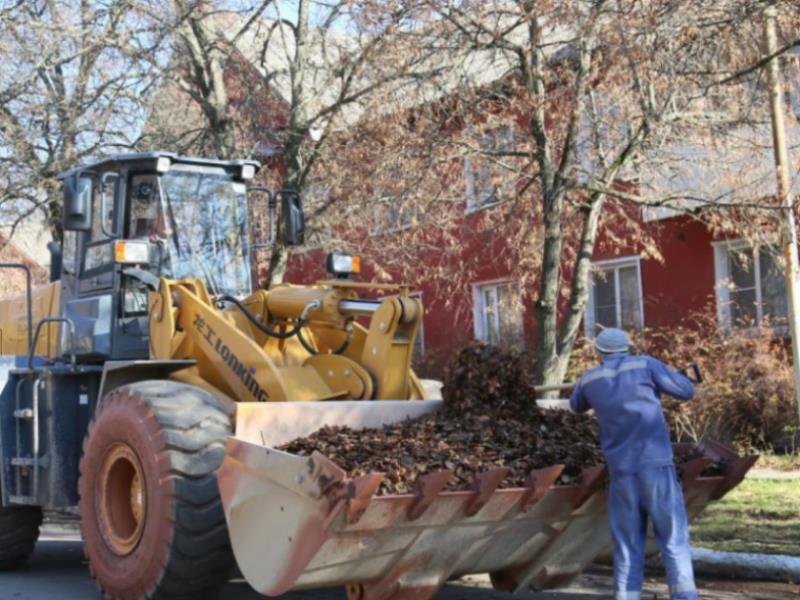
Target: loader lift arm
[{"x": 248, "y": 362}]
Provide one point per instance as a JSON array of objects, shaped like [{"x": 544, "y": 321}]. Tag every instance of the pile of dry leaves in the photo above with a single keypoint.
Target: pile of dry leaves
[{"x": 490, "y": 419}]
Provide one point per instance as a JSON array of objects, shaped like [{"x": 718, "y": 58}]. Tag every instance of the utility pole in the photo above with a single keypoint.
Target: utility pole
[{"x": 785, "y": 196}]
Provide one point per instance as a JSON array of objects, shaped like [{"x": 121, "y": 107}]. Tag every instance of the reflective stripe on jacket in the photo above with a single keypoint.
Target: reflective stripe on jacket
[{"x": 625, "y": 393}]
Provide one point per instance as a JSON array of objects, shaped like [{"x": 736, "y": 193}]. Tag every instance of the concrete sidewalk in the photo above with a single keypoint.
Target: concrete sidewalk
[{"x": 765, "y": 473}]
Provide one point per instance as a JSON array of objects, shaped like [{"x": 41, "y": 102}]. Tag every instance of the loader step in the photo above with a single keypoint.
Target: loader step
[
  {"x": 28, "y": 461},
  {"x": 26, "y": 500}
]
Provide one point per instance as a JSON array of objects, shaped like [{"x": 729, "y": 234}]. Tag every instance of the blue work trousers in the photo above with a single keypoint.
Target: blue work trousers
[{"x": 653, "y": 494}]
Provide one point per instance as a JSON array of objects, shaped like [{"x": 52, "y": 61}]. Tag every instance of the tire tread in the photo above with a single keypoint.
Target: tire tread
[
  {"x": 19, "y": 531},
  {"x": 193, "y": 427},
  {"x": 201, "y": 557}
]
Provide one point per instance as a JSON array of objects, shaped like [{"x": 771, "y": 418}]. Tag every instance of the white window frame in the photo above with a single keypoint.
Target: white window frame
[
  {"x": 722, "y": 283},
  {"x": 479, "y": 309},
  {"x": 616, "y": 264},
  {"x": 381, "y": 224},
  {"x": 473, "y": 205}
]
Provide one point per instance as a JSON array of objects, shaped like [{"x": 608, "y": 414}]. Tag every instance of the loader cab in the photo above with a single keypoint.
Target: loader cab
[{"x": 131, "y": 219}]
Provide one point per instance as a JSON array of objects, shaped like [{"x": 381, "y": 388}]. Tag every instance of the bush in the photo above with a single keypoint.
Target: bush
[{"x": 747, "y": 397}]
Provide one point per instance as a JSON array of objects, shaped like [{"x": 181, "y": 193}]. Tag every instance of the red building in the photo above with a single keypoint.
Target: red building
[
  {"x": 696, "y": 274},
  {"x": 696, "y": 277}
]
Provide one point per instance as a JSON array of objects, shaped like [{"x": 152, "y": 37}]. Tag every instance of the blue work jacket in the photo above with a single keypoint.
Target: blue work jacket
[{"x": 625, "y": 393}]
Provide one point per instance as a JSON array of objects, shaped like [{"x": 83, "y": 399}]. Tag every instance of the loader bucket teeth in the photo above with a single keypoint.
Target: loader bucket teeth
[
  {"x": 590, "y": 480},
  {"x": 734, "y": 472},
  {"x": 693, "y": 468},
  {"x": 360, "y": 494},
  {"x": 427, "y": 489},
  {"x": 302, "y": 522},
  {"x": 484, "y": 486},
  {"x": 537, "y": 484}
]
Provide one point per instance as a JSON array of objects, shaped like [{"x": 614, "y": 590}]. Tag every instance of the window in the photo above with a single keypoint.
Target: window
[
  {"x": 393, "y": 213},
  {"x": 750, "y": 285},
  {"x": 69, "y": 252},
  {"x": 498, "y": 313},
  {"x": 615, "y": 298},
  {"x": 98, "y": 253},
  {"x": 393, "y": 204},
  {"x": 97, "y": 268},
  {"x": 485, "y": 174}
]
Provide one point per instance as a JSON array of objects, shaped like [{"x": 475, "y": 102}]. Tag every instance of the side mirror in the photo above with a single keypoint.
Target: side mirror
[
  {"x": 56, "y": 260},
  {"x": 77, "y": 214},
  {"x": 294, "y": 223}
]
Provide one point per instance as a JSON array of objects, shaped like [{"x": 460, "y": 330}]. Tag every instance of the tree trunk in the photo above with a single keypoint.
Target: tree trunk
[
  {"x": 294, "y": 177},
  {"x": 547, "y": 303},
  {"x": 207, "y": 63},
  {"x": 279, "y": 256},
  {"x": 278, "y": 263},
  {"x": 556, "y": 345}
]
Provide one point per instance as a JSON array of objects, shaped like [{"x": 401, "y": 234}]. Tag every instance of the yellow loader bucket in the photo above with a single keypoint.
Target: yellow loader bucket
[{"x": 301, "y": 522}]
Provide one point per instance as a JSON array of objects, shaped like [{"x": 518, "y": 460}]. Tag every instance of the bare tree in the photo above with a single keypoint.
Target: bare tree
[
  {"x": 287, "y": 76},
  {"x": 70, "y": 89},
  {"x": 616, "y": 107}
]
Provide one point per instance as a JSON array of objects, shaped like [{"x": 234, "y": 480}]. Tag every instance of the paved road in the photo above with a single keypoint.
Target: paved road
[{"x": 57, "y": 571}]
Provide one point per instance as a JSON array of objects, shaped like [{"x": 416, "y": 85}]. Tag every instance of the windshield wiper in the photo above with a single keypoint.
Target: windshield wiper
[{"x": 170, "y": 215}]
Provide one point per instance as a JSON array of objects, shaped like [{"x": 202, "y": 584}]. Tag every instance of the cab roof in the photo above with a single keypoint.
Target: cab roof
[{"x": 145, "y": 159}]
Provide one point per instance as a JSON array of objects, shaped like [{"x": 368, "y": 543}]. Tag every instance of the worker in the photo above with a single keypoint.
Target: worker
[{"x": 625, "y": 393}]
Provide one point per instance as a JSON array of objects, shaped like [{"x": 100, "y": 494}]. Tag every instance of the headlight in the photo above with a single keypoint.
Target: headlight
[
  {"x": 163, "y": 164},
  {"x": 342, "y": 265},
  {"x": 248, "y": 172}
]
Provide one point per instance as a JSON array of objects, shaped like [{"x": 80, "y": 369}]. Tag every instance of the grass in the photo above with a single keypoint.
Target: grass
[
  {"x": 779, "y": 462},
  {"x": 760, "y": 515}
]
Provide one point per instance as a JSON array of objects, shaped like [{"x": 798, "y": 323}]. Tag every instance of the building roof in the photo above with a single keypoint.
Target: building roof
[{"x": 268, "y": 45}]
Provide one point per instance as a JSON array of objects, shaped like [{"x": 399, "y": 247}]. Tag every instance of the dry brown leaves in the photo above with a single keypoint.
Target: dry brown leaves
[
  {"x": 490, "y": 420},
  {"x": 465, "y": 445}
]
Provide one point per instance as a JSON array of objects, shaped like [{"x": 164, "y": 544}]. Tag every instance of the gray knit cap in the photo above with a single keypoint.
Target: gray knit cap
[{"x": 612, "y": 341}]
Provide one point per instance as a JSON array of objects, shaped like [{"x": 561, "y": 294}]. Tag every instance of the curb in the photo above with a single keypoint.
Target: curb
[{"x": 744, "y": 565}]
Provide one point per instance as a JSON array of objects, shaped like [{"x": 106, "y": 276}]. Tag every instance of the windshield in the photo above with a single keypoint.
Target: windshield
[{"x": 204, "y": 228}]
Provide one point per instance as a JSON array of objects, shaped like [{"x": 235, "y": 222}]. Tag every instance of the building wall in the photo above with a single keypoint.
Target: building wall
[
  {"x": 675, "y": 289},
  {"x": 681, "y": 283},
  {"x": 12, "y": 281}
]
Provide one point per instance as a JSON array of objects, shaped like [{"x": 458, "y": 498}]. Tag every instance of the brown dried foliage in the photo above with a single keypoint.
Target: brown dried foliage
[
  {"x": 490, "y": 419},
  {"x": 747, "y": 397}
]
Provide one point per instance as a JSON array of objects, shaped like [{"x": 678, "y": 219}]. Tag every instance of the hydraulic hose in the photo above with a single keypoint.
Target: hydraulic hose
[
  {"x": 296, "y": 330},
  {"x": 344, "y": 345},
  {"x": 259, "y": 325}
]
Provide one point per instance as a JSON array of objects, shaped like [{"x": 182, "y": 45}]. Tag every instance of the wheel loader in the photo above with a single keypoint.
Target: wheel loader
[{"x": 146, "y": 388}]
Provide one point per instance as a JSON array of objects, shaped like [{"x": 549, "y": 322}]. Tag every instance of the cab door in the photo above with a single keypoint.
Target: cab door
[
  {"x": 143, "y": 213},
  {"x": 92, "y": 308}
]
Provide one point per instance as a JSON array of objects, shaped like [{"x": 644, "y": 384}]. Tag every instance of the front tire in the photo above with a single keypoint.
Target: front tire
[
  {"x": 151, "y": 514},
  {"x": 19, "y": 530}
]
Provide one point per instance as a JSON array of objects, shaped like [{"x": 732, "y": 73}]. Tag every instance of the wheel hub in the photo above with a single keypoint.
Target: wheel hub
[{"x": 122, "y": 499}]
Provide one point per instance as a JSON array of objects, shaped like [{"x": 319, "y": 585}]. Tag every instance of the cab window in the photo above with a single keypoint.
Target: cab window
[{"x": 97, "y": 265}]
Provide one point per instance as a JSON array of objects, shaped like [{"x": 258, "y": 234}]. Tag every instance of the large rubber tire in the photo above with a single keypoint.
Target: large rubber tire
[
  {"x": 19, "y": 530},
  {"x": 151, "y": 514}
]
